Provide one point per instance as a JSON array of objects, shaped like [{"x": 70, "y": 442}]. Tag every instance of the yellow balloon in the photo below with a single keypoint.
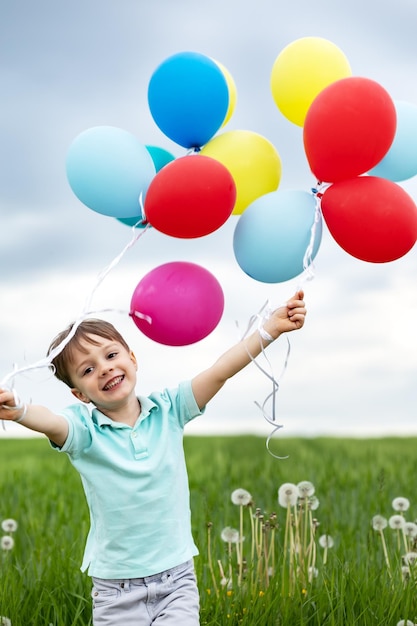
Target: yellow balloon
[
  {"x": 252, "y": 160},
  {"x": 231, "y": 85},
  {"x": 301, "y": 71}
]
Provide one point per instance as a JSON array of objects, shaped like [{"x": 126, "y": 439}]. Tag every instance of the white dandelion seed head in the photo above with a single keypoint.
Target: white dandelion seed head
[
  {"x": 326, "y": 541},
  {"x": 396, "y": 522},
  {"x": 410, "y": 529},
  {"x": 313, "y": 503},
  {"x": 9, "y": 525},
  {"x": 379, "y": 522},
  {"x": 230, "y": 535},
  {"x": 5, "y": 621},
  {"x": 313, "y": 572},
  {"x": 405, "y": 573},
  {"x": 287, "y": 495},
  {"x": 401, "y": 504},
  {"x": 241, "y": 497},
  {"x": 223, "y": 582},
  {"x": 7, "y": 542},
  {"x": 305, "y": 489},
  {"x": 410, "y": 558},
  {"x": 405, "y": 622}
]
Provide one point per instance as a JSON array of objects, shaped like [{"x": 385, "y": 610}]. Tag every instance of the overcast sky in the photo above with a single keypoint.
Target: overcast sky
[{"x": 67, "y": 67}]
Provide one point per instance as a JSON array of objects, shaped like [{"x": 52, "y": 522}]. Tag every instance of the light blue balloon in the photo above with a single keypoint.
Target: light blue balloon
[
  {"x": 109, "y": 170},
  {"x": 188, "y": 98},
  {"x": 274, "y": 234},
  {"x": 400, "y": 162}
]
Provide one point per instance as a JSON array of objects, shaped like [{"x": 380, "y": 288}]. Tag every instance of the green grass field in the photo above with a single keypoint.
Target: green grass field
[{"x": 40, "y": 580}]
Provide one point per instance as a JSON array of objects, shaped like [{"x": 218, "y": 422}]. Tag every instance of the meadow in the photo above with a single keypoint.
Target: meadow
[{"x": 261, "y": 581}]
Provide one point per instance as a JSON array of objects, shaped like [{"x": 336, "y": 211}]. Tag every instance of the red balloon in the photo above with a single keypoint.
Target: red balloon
[
  {"x": 371, "y": 218},
  {"x": 190, "y": 197},
  {"x": 348, "y": 129}
]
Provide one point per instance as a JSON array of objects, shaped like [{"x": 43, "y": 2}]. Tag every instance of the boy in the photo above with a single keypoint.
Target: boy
[{"x": 128, "y": 451}]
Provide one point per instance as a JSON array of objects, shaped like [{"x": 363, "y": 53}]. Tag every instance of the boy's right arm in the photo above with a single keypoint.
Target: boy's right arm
[{"x": 35, "y": 417}]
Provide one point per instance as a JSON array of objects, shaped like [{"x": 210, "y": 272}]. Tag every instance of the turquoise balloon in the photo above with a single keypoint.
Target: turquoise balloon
[
  {"x": 160, "y": 157},
  {"x": 274, "y": 233},
  {"x": 400, "y": 162},
  {"x": 109, "y": 170}
]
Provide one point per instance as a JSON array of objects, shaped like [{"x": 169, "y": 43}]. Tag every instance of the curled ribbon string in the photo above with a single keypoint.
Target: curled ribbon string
[
  {"x": 8, "y": 380},
  {"x": 265, "y": 312},
  {"x": 260, "y": 317}
]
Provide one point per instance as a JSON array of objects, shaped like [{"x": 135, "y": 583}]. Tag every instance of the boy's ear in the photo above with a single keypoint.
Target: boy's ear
[
  {"x": 133, "y": 358},
  {"x": 80, "y": 395}
]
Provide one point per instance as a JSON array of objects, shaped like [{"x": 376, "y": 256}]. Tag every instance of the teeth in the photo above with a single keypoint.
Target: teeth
[{"x": 113, "y": 383}]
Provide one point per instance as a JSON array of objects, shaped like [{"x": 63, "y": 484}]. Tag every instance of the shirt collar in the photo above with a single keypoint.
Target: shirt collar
[{"x": 146, "y": 405}]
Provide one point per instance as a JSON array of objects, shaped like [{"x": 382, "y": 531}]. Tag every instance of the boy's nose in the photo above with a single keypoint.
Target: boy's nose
[{"x": 105, "y": 368}]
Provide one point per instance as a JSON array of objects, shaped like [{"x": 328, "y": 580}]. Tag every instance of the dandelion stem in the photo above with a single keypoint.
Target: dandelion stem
[{"x": 210, "y": 562}]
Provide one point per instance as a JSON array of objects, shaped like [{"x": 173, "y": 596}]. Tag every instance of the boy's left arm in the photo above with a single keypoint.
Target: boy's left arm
[{"x": 284, "y": 319}]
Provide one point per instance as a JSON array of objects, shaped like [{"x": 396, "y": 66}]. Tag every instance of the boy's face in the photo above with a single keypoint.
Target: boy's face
[{"x": 104, "y": 374}]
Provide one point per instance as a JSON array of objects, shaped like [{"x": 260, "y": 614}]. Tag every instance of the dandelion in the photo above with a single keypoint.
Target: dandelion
[
  {"x": 7, "y": 542},
  {"x": 379, "y": 522},
  {"x": 405, "y": 622},
  {"x": 230, "y": 535},
  {"x": 241, "y": 497},
  {"x": 405, "y": 573},
  {"x": 9, "y": 525},
  {"x": 401, "y": 504},
  {"x": 287, "y": 495},
  {"x": 313, "y": 572},
  {"x": 5, "y": 621},
  {"x": 396, "y": 522},
  {"x": 410, "y": 558},
  {"x": 313, "y": 503},
  {"x": 410, "y": 529},
  {"x": 305, "y": 489},
  {"x": 326, "y": 541}
]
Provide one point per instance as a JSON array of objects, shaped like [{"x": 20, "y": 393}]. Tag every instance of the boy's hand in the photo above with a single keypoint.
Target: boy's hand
[
  {"x": 10, "y": 406},
  {"x": 287, "y": 318}
]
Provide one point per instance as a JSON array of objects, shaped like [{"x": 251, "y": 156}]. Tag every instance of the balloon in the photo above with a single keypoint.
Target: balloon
[
  {"x": 188, "y": 98},
  {"x": 160, "y": 156},
  {"x": 251, "y": 159},
  {"x": 273, "y": 234},
  {"x": 177, "y": 304},
  {"x": 231, "y": 85},
  {"x": 301, "y": 71},
  {"x": 348, "y": 128},
  {"x": 371, "y": 218},
  {"x": 400, "y": 162},
  {"x": 190, "y": 197},
  {"x": 108, "y": 169}
]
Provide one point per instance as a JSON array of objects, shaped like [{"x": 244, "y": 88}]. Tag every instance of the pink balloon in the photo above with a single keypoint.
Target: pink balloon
[{"x": 177, "y": 303}]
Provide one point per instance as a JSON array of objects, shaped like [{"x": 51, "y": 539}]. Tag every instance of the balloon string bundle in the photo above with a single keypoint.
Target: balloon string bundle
[{"x": 264, "y": 313}]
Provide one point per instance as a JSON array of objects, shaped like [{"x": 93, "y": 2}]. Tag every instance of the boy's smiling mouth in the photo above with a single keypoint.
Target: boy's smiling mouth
[{"x": 113, "y": 383}]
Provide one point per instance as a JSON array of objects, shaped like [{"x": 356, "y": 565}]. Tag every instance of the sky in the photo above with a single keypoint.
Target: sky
[{"x": 67, "y": 67}]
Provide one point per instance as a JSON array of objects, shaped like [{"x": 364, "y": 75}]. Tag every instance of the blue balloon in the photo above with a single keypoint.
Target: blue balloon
[
  {"x": 274, "y": 234},
  {"x": 400, "y": 162},
  {"x": 160, "y": 157},
  {"x": 188, "y": 97},
  {"x": 109, "y": 170}
]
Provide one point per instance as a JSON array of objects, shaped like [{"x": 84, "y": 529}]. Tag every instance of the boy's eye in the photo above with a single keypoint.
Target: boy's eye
[
  {"x": 112, "y": 355},
  {"x": 87, "y": 370}
]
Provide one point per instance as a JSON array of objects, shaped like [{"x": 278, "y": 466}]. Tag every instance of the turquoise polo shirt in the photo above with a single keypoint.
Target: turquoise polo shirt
[{"x": 136, "y": 485}]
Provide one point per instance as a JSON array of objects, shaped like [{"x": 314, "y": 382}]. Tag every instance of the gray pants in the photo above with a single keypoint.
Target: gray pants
[{"x": 169, "y": 598}]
